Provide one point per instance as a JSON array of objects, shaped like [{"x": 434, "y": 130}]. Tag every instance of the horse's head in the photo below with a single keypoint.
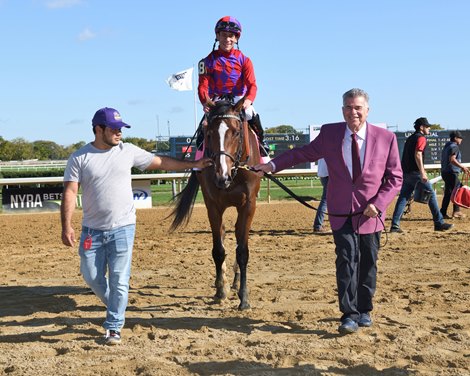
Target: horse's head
[{"x": 224, "y": 140}]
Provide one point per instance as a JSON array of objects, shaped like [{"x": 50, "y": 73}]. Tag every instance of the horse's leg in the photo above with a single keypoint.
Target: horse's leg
[
  {"x": 218, "y": 252},
  {"x": 242, "y": 230},
  {"x": 236, "y": 275}
]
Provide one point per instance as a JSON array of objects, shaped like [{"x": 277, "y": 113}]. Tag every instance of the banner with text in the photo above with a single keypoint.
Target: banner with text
[{"x": 47, "y": 199}]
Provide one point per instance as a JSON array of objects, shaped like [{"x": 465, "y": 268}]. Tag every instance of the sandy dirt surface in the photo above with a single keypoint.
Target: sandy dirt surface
[{"x": 50, "y": 324}]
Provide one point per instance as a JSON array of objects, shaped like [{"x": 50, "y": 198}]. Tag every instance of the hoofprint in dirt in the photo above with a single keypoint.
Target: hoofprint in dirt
[{"x": 50, "y": 324}]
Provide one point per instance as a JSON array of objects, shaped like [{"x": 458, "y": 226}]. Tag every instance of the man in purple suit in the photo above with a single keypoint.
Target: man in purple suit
[{"x": 364, "y": 177}]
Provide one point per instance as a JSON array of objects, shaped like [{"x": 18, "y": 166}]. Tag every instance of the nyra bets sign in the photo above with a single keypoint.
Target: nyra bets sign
[
  {"x": 32, "y": 199},
  {"x": 46, "y": 199}
]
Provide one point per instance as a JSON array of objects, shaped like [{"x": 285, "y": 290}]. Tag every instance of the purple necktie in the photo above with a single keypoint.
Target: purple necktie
[{"x": 356, "y": 159}]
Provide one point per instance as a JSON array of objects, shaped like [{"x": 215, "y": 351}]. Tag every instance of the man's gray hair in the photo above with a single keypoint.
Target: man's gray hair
[{"x": 353, "y": 93}]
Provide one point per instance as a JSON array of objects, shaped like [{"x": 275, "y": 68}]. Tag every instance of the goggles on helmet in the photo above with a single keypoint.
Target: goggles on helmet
[{"x": 228, "y": 26}]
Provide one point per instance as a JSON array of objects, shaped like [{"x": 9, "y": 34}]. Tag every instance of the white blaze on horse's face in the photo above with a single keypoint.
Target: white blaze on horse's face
[{"x": 223, "y": 128}]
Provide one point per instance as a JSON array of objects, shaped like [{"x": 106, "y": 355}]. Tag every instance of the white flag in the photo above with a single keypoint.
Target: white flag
[{"x": 181, "y": 81}]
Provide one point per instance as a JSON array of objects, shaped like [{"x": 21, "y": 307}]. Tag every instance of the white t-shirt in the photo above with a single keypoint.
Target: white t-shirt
[{"x": 105, "y": 180}]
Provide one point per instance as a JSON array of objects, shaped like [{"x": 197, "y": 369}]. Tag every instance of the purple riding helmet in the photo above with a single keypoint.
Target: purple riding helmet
[{"x": 229, "y": 24}]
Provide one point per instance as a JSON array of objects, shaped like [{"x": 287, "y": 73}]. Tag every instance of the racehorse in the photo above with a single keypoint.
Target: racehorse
[{"x": 232, "y": 146}]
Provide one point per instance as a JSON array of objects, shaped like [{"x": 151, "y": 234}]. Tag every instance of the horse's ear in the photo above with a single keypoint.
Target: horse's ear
[{"x": 239, "y": 106}]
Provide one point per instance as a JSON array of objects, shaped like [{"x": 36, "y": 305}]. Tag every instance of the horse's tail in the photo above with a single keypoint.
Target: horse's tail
[{"x": 184, "y": 202}]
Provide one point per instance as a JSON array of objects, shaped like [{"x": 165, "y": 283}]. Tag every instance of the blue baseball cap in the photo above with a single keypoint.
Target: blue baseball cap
[{"x": 109, "y": 117}]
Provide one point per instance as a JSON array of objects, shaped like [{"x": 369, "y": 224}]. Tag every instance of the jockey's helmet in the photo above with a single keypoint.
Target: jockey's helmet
[{"x": 229, "y": 24}]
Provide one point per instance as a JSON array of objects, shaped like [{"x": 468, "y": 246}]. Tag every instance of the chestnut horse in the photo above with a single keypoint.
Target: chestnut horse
[{"x": 232, "y": 146}]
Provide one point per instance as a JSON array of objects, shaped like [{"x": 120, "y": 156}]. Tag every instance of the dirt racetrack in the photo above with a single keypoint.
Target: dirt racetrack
[{"x": 51, "y": 325}]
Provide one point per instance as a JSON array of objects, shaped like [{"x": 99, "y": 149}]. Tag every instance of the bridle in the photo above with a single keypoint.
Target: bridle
[{"x": 238, "y": 156}]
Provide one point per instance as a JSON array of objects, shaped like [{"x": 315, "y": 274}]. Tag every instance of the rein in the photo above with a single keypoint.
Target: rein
[
  {"x": 298, "y": 198},
  {"x": 191, "y": 142},
  {"x": 303, "y": 202}
]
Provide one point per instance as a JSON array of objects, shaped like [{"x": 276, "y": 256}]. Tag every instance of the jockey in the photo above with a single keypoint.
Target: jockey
[{"x": 227, "y": 74}]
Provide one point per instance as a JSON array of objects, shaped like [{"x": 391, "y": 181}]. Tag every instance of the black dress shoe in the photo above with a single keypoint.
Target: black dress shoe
[
  {"x": 443, "y": 226},
  {"x": 365, "y": 320}
]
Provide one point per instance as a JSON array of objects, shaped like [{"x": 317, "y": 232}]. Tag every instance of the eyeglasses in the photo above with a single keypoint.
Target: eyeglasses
[{"x": 230, "y": 25}]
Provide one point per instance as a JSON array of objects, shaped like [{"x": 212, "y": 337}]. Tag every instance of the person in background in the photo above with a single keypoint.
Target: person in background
[
  {"x": 102, "y": 169},
  {"x": 364, "y": 177},
  {"x": 227, "y": 74},
  {"x": 322, "y": 173},
  {"x": 451, "y": 166},
  {"x": 412, "y": 163}
]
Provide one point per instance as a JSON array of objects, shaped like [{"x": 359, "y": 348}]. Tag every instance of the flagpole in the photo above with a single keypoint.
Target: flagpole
[{"x": 195, "y": 108}]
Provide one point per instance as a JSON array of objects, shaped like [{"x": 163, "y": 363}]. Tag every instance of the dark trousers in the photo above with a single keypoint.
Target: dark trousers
[
  {"x": 451, "y": 179},
  {"x": 356, "y": 270}
]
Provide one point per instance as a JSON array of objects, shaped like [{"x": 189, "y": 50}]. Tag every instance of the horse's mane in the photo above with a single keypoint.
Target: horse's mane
[{"x": 220, "y": 108}]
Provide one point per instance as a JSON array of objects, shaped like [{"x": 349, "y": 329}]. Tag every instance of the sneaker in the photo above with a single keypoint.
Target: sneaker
[
  {"x": 365, "y": 320},
  {"x": 445, "y": 216},
  {"x": 459, "y": 215},
  {"x": 443, "y": 226},
  {"x": 112, "y": 337},
  {"x": 348, "y": 326},
  {"x": 321, "y": 231},
  {"x": 396, "y": 229}
]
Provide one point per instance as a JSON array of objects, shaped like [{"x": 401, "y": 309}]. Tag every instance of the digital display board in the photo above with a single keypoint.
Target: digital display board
[
  {"x": 279, "y": 143},
  {"x": 436, "y": 141},
  {"x": 180, "y": 146}
]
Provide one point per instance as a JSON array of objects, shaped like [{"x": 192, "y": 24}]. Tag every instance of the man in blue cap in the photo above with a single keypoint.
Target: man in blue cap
[{"x": 102, "y": 169}]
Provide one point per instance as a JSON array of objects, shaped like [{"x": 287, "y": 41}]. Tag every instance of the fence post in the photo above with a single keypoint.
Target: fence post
[{"x": 173, "y": 187}]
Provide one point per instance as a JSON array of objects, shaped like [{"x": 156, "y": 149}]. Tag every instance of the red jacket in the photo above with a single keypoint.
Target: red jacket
[{"x": 226, "y": 73}]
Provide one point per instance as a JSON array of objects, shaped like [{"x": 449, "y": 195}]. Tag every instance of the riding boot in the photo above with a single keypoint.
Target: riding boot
[
  {"x": 200, "y": 147},
  {"x": 200, "y": 134},
  {"x": 255, "y": 124}
]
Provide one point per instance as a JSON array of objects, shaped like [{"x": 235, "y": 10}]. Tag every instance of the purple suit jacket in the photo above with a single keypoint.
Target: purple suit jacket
[{"x": 378, "y": 184}]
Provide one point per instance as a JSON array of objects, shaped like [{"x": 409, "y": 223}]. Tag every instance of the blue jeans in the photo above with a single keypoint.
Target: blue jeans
[
  {"x": 318, "y": 222},
  {"x": 407, "y": 189},
  {"x": 111, "y": 253}
]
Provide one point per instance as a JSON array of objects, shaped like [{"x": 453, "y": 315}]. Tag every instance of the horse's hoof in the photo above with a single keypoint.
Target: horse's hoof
[
  {"x": 219, "y": 298},
  {"x": 243, "y": 306}
]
